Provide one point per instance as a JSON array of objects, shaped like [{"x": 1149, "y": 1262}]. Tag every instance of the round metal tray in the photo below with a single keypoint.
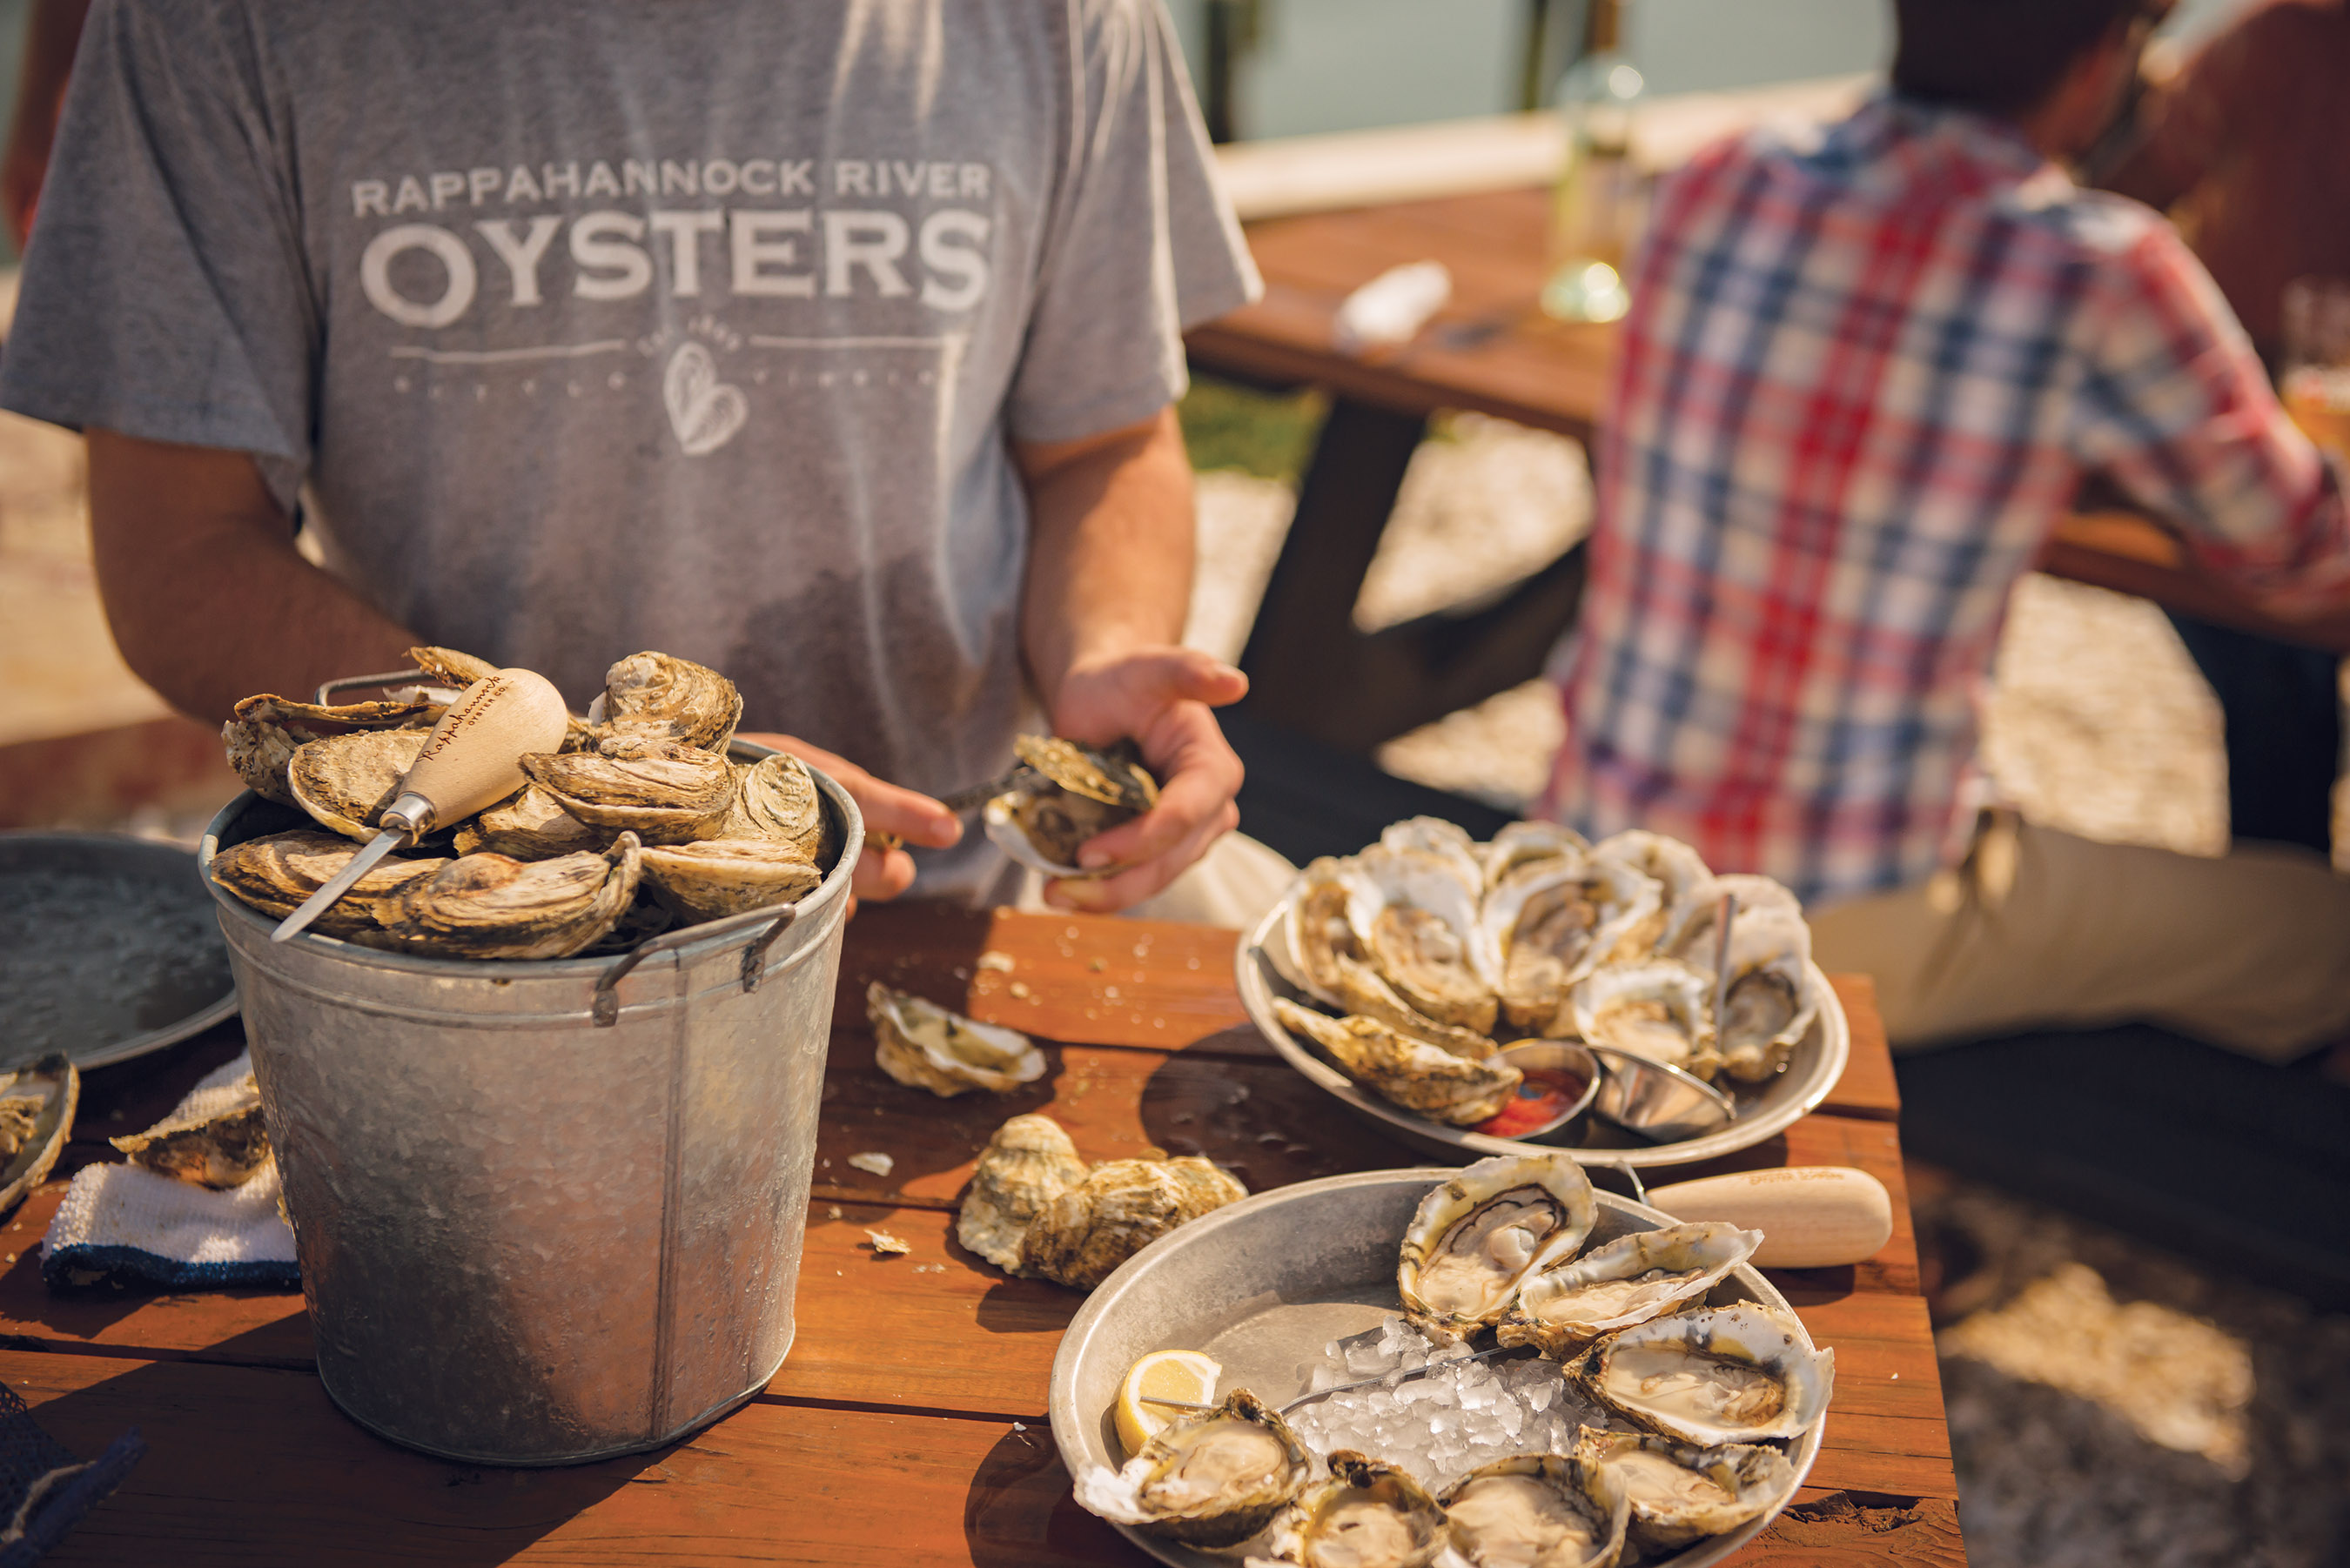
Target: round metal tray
[
  {"x": 1271, "y": 1279},
  {"x": 108, "y": 947},
  {"x": 1814, "y": 1069}
]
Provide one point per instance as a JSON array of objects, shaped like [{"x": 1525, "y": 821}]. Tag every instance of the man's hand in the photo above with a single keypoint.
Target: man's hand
[
  {"x": 1160, "y": 696},
  {"x": 884, "y": 870}
]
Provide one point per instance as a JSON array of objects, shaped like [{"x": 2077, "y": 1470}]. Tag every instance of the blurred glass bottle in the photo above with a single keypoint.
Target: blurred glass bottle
[{"x": 1602, "y": 196}]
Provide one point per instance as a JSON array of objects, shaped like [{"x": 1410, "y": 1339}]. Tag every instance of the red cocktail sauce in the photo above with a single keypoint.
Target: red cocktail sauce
[{"x": 1547, "y": 1095}]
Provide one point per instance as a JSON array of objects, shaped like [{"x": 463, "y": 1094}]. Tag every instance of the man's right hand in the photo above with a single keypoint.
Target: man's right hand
[{"x": 893, "y": 814}]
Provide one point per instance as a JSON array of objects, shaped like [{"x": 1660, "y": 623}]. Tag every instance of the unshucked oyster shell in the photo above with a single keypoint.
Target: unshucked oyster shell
[
  {"x": 264, "y": 732},
  {"x": 662, "y": 696},
  {"x": 215, "y": 1140},
  {"x": 1121, "y": 1207},
  {"x": 495, "y": 907},
  {"x": 776, "y": 798},
  {"x": 1477, "y": 1239},
  {"x": 722, "y": 877},
  {"x": 531, "y": 824},
  {"x": 1209, "y": 1480},
  {"x": 1029, "y": 1162},
  {"x": 664, "y": 792},
  {"x": 344, "y": 781},
  {"x": 277, "y": 873},
  {"x": 37, "y": 1115},
  {"x": 924, "y": 1047},
  {"x": 1461, "y": 1091}
]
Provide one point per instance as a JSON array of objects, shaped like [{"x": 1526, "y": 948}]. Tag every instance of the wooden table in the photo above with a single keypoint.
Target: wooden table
[
  {"x": 908, "y": 1426},
  {"x": 1491, "y": 350}
]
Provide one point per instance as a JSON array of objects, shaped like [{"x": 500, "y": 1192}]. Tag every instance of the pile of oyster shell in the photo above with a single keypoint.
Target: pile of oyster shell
[
  {"x": 1036, "y": 1209},
  {"x": 1709, "y": 1400},
  {"x": 640, "y": 823},
  {"x": 1434, "y": 949}
]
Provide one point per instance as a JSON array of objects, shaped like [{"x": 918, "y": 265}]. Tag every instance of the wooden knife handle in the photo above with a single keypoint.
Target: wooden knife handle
[
  {"x": 1811, "y": 1216},
  {"x": 473, "y": 757}
]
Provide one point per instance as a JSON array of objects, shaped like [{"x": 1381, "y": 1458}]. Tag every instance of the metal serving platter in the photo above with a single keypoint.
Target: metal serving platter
[
  {"x": 1263, "y": 1284},
  {"x": 109, "y": 949},
  {"x": 1817, "y": 1063}
]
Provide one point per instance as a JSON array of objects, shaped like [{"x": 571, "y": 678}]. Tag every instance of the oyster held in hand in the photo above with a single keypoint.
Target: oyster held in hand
[
  {"x": 1069, "y": 793},
  {"x": 1029, "y": 1162},
  {"x": 491, "y": 905},
  {"x": 924, "y": 1047}
]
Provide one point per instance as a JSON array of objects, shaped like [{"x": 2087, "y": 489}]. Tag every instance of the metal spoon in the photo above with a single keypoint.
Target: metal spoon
[{"x": 1389, "y": 1378}]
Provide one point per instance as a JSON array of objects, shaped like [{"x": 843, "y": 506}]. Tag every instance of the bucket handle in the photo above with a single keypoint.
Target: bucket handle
[{"x": 605, "y": 1006}]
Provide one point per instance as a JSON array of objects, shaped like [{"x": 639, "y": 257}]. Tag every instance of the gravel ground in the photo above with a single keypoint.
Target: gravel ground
[{"x": 2109, "y": 1403}]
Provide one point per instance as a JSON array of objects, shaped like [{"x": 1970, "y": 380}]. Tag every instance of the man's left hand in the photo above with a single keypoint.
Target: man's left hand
[{"x": 1160, "y": 696}]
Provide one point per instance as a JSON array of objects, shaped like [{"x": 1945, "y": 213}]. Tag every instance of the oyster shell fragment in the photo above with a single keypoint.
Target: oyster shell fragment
[
  {"x": 215, "y": 1140},
  {"x": 1477, "y": 1239},
  {"x": 344, "y": 781},
  {"x": 1457, "y": 1090},
  {"x": 1029, "y": 1162},
  {"x": 277, "y": 873},
  {"x": 1679, "y": 1493},
  {"x": 1121, "y": 1207},
  {"x": 1209, "y": 1480},
  {"x": 495, "y": 907},
  {"x": 1630, "y": 1280},
  {"x": 924, "y": 1047},
  {"x": 1538, "y": 1511},
  {"x": 1725, "y": 1374},
  {"x": 664, "y": 790},
  {"x": 1367, "y": 1514}
]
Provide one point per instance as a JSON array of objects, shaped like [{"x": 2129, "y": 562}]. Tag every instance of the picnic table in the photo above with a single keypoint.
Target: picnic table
[
  {"x": 1492, "y": 350},
  {"x": 908, "y": 1425}
]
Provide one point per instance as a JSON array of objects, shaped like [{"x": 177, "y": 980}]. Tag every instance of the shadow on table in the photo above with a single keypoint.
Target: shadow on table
[
  {"x": 256, "y": 1459},
  {"x": 1018, "y": 1481}
]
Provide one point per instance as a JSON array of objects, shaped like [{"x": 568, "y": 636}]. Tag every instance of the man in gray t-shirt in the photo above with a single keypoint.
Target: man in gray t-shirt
[{"x": 833, "y": 347}]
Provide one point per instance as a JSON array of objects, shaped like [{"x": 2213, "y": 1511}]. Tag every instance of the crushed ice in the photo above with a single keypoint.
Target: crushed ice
[{"x": 1445, "y": 1423}]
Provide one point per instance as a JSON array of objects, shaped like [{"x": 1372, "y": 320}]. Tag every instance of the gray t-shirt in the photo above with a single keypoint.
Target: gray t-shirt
[{"x": 582, "y": 328}]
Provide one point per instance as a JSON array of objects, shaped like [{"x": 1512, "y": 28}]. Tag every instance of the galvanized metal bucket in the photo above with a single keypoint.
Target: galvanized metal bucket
[{"x": 552, "y": 1211}]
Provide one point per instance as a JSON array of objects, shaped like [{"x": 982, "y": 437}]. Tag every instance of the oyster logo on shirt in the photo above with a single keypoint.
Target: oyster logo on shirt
[{"x": 703, "y": 410}]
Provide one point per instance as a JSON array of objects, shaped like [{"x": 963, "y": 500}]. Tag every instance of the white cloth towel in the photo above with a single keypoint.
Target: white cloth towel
[{"x": 126, "y": 1219}]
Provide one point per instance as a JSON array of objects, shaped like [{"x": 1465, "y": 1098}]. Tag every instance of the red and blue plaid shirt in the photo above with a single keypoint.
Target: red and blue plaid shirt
[{"x": 1863, "y": 375}]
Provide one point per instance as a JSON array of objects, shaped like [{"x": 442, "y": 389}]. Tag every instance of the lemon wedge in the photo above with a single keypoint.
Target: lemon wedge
[{"x": 1165, "y": 1375}]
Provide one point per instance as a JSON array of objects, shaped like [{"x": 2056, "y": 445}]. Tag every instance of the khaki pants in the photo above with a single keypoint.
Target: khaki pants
[
  {"x": 1234, "y": 884},
  {"x": 2039, "y": 928}
]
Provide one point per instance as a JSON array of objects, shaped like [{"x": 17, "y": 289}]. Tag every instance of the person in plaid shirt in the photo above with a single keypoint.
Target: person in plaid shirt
[{"x": 1863, "y": 373}]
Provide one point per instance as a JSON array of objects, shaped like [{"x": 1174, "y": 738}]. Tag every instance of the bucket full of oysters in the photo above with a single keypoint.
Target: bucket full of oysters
[{"x": 543, "y": 1085}]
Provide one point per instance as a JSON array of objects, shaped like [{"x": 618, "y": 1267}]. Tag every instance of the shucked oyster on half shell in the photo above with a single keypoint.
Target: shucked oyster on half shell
[
  {"x": 1211, "y": 1479},
  {"x": 1630, "y": 1280},
  {"x": 1461, "y": 1091},
  {"x": 1121, "y": 1207},
  {"x": 1690, "y": 936},
  {"x": 1029, "y": 1162},
  {"x": 1524, "y": 843},
  {"x": 1367, "y": 1514},
  {"x": 495, "y": 907},
  {"x": 1334, "y": 966},
  {"x": 1418, "y": 920},
  {"x": 215, "y": 1140},
  {"x": 1661, "y": 1010},
  {"x": 1679, "y": 872},
  {"x": 277, "y": 873},
  {"x": 1770, "y": 999},
  {"x": 1476, "y": 1239},
  {"x": 344, "y": 781},
  {"x": 1679, "y": 1492},
  {"x": 722, "y": 877},
  {"x": 1538, "y": 1511},
  {"x": 1550, "y": 922},
  {"x": 1071, "y": 794},
  {"x": 924, "y": 1047},
  {"x": 664, "y": 792},
  {"x": 1738, "y": 1374},
  {"x": 37, "y": 1113},
  {"x": 660, "y": 697}
]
